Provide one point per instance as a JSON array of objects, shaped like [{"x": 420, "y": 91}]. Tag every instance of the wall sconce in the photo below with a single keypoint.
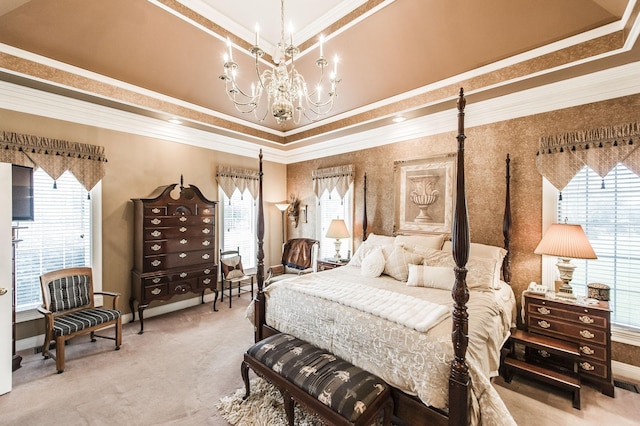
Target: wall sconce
[
  {"x": 283, "y": 206},
  {"x": 304, "y": 213}
]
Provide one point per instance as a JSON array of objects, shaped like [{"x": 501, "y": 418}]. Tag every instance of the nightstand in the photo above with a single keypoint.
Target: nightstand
[{"x": 326, "y": 264}]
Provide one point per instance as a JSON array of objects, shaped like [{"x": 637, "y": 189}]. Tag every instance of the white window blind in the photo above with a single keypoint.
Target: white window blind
[
  {"x": 610, "y": 216},
  {"x": 330, "y": 207},
  {"x": 239, "y": 217},
  {"x": 59, "y": 237}
]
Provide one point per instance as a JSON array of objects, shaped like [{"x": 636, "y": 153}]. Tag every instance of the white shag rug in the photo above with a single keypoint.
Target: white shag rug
[{"x": 264, "y": 407}]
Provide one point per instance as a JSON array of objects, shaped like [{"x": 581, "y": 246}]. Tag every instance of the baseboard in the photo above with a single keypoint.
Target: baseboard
[
  {"x": 35, "y": 341},
  {"x": 628, "y": 371}
]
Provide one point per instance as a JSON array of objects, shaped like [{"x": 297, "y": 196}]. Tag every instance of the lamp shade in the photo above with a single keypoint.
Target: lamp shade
[
  {"x": 337, "y": 229},
  {"x": 282, "y": 206},
  {"x": 566, "y": 241}
]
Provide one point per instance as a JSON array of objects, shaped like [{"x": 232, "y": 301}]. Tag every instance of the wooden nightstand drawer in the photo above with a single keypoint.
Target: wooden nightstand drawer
[
  {"x": 556, "y": 328},
  {"x": 593, "y": 351},
  {"x": 582, "y": 316},
  {"x": 592, "y": 368}
]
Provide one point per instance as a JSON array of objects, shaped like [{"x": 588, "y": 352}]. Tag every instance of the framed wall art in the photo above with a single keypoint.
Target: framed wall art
[{"x": 424, "y": 194}]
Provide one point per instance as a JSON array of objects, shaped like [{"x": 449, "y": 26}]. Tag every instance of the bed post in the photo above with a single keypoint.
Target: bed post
[
  {"x": 364, "y": 216},
  {"x": 459, "y": 376},
  {"x": 259, "y": 303},
  {"x": 506, "y": 227}
]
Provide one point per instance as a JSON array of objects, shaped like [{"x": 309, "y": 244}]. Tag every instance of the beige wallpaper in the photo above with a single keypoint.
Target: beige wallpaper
[{"x": 486, "y": 148}]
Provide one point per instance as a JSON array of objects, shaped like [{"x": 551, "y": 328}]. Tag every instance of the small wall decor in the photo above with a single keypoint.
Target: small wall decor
[
  {"x": 293, "y": 212},
  {"x": 424, "y": 194}
]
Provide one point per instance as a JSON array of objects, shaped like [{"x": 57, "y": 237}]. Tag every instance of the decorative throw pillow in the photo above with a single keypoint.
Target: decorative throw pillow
[
  {"x": 397, "y": 263},
  {"x": 481, "y": 272},
  {"x": 373, "y": 264},
  {"x": 232, "y": 267},
  {"x": 441, "y": 277},
  {"x": 422, "y": 241},
  {"x": 484, "y": 251}
]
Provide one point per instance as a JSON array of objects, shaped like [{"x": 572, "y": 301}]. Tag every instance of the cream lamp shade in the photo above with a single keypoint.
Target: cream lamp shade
[
  {"x": 337, "y": 229},
  {"x": 283, "y": 206},
  {"x": 566, "y": 241}
]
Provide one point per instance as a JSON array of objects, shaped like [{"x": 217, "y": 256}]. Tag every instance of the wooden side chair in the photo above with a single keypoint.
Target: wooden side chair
[
  {"x": 69, "y": 311},
  {"x": 232, "y": 274}
]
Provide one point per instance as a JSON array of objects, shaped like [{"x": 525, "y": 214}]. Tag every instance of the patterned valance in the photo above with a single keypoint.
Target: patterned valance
[
  {"x": 54, "y": 156},
  {"x": 561, "y": 157},
  {"x": 231, "y": 179},
  {"x": 339, "y": 178}
]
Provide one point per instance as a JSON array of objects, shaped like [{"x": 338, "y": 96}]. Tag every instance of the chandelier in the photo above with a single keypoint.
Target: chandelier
[{"x": 288, "y": 96}]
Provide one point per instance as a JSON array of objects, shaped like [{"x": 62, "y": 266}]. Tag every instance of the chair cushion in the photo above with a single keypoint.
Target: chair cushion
[
  {"x": 232, "y": 267},
  {"x": 347, "y": 389},
  {"x": 80, "y": 320},
  {"x": 69, "y": 292}
]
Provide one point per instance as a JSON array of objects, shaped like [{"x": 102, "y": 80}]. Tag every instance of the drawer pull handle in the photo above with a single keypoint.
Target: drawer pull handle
[
  {"x": 544, "y": 324},
  {"x": 207, "y": 271},
  {"x": 206, "y": 256},
  {"x": 206, "y": 242},
  {"x": 156, "y": 291},
  {"x": 586, "y": 350},
  {"x": 155, "y": 210},
  {"x": 156, "y": 262},
  {"x": 182, "y": 229},
  {"x": 206, "y": 230},
  {"x": 544, "y": 311},
  {"x": 586, "y": 319},
  {"x": 156, "y": 247},
  {"x": 183, "y": 241},
  {"x": 587, "y": 366},
  {"x": 544, "y": 354},
  {"x": 156, "y": 233},
  {"x": 156, "y": 221},
  {"x": 182, "y": 255},
  {"x": 182, "y": 275},
  {"x": 206, "y": 211},
  {"x": 206, "y": 220},
  {"x": 206, "y": 280},
  {"x": 587, "y": 334},
  {"x": 156, "y": 280},
  {"x": 182, "y": 219}
]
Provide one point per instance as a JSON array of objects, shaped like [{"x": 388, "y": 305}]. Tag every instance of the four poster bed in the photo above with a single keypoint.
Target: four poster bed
[{"x": 438, "y": 360}]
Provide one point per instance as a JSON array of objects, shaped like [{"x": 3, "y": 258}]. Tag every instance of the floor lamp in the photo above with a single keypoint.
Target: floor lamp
[{"x": 282, "y": 207}]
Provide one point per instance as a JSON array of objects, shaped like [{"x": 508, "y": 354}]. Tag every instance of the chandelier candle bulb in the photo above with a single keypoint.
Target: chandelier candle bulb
[
  {"x": 230, "y": 50},
  {"x": 321, "y": 43},
  {"x": 257, "y": 35}
]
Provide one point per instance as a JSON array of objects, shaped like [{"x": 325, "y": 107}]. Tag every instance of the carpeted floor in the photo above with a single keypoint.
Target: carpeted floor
[{"x": 177, "y": 372}]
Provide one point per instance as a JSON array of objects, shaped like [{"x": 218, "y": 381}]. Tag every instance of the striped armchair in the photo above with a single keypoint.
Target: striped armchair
[{"x": 69, "y": 311}]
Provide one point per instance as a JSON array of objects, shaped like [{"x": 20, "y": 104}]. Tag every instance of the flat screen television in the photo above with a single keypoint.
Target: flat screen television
[{"x": 22, "y": 193}]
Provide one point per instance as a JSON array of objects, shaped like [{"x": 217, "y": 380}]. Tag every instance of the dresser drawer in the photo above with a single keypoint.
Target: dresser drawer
[
  {"x": 592, "y": 368},
  {"x": 155, "y": 210},
  {"x": 182, "y": 231},
  {"x": 156, "y": 291},
  {"x": 178, "y": 259},
  {"x": 580, "y": 315},
  {"x": 588, "y": 350},
  {"x": 566, "y": 330},
  {"x": 186, "y": 243},
  {"x": 171, "y": 221}
]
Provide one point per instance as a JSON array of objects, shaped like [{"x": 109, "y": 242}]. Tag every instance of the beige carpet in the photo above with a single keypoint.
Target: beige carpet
[{"x": 178, "y": 371}]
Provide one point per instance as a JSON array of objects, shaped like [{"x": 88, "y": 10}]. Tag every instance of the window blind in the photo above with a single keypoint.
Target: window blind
[
  {"x": 59, "y": 237},
  {"x": 609, "y": 211},
  {"x": 330, "y": 207},
  {"x": 239, "y": 217}
]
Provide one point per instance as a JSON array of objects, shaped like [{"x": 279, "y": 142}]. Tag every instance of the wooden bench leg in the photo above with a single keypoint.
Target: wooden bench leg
[
  {"x": 244, "y": 371},
  {"x": 288, "y": 407}
]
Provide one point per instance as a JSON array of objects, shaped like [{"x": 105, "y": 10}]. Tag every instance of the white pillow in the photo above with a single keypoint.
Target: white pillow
[
  {"x": 397, "y": 263},
  {"x": 422, "y": 241},
  {"x": 366, "y": 248},
  {"x": 373, "y": 264},
  {"x": 481, "y": 250},
  {"x": 482, "y": 272},
  {"x": 379, "y": 240},
  {"x": 441, "y": 277}
]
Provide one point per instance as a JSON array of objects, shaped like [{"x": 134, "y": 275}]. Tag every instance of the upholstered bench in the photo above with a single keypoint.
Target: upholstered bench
[{"x": 340, "y": 393}]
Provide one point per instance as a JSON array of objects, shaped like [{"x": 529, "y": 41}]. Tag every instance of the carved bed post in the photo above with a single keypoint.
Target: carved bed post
[
  {"x": 506, "y": 227},
  {"x": 259, "y": 304},
  {"x": 364, "y": 216},
  {"x": 459, "y": 376}
]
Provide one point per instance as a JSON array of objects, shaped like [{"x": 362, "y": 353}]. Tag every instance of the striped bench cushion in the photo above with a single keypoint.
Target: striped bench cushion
[
  {"x": 347, "y": 389},
  {"x": 76, "y": 321}
]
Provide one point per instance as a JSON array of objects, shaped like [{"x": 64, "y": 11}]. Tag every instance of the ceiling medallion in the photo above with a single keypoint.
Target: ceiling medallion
[{"x": 287, "y": 94}]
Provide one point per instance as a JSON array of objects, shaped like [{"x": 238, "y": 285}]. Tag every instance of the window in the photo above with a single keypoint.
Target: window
[
  {"x": 239, "y": 216},
  {"x": 59, "y": 237},
  {"x": 332, "y": 207},
  {"x": 609, "y": 211}
]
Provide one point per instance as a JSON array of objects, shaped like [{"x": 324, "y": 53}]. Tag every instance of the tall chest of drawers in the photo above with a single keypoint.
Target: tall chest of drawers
[
  {"x": 587, "y": 326},
  {"x": 174, "y": 246}
]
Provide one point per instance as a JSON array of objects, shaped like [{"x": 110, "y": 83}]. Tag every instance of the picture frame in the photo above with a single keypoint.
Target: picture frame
[{"x": 424, "y": 194}]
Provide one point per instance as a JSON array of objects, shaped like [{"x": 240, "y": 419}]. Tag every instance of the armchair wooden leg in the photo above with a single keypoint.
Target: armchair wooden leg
[
  {"x": 60, "y": 354},
  {"x": 118, "y": 334}
]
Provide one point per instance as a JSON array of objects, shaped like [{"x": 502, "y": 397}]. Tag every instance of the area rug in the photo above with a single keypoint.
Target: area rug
[{"x": 264, "y": 407}]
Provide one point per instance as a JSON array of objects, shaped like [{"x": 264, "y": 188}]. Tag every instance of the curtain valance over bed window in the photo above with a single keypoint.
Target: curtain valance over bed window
[
  {"x": 231, "y": 178},
  {"x": 561, "y": 157},
  {"x": 54, "y": 156},
  {"x": 328, "y": 179}
]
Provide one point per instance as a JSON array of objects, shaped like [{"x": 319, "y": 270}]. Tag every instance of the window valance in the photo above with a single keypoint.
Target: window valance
[
  {"x": 54, "y": 156},
  {"x": 328, "y": 179},
  {"x": 231, "y": 178},
  {"x": 561, "y": 157}
]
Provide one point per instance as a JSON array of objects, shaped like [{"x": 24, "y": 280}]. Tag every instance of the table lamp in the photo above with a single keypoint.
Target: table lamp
[
  {"x": 337, "y": 229},
  {"x": 566, "y": 241}
]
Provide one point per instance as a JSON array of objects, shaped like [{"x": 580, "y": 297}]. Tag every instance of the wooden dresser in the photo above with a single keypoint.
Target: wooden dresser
[
  {"x": 174, "y": 246},
  {"x": 587, "y": 326}
]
